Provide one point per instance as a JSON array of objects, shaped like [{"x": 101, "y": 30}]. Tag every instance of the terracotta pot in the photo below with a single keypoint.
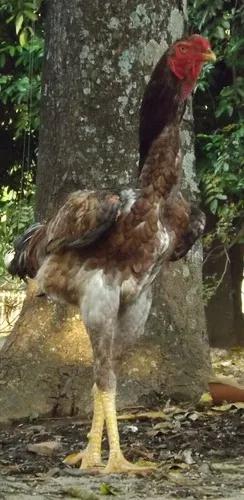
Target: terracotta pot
[{"x": 224, "y": 391}]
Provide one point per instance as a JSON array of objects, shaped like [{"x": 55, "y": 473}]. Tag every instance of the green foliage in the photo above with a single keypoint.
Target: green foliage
[
  {"x": 21, "y": 12},
  {"x": 20, "y": 60},
  {"x": 21, "y": 53},
  {"x": 218, "y": 114},
  {"x": 222, "y": 175}
]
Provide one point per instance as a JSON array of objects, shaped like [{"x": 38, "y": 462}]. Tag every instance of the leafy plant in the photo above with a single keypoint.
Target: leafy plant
[
  {"x": 21, "y": 53},
  {"x": 218, "y": 115}
]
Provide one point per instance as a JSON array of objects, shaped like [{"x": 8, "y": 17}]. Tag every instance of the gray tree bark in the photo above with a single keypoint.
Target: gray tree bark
[{"x": 96, "y": 64}]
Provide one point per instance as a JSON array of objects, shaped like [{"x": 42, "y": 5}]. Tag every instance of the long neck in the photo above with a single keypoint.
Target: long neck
[
  {"x": 161, "y": 104},
  {"x": 160, "y": 161},
  {"x": 162, "y": 167}
]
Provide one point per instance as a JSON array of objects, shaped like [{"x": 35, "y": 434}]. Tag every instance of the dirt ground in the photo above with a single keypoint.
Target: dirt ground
[{"x": 199, "y": 452}]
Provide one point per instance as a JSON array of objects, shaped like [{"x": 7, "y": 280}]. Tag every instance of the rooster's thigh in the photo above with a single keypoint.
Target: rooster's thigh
[
  {"x": 99, "y": 307},
  {"x": 131, "y": 321}
]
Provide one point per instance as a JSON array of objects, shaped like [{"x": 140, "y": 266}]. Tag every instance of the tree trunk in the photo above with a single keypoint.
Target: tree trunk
[
  {"x": 97, "y": 60},
  {"x": 225, "y": 318}
]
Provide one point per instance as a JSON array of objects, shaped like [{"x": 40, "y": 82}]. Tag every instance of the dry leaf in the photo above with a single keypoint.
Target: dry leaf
[
  {"x": 239, "y": 405},
  {"x": 194, "y": 416},
  {"x": 47, "y": 448},
  {"x": 225, "y": 407},
  {"x": 163, "y": 426}
]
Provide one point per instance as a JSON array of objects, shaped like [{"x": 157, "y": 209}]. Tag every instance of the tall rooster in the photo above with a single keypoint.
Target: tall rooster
[{"x": 102, "y": 250}]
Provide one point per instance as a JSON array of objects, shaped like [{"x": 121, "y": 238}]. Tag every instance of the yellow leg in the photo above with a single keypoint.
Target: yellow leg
[
  {"x": 91, "y": 456},
  {"x": 117, "y": 462}
]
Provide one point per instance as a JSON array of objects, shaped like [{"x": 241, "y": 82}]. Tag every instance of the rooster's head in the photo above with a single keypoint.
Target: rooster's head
[{"x": 186, "y": 58}]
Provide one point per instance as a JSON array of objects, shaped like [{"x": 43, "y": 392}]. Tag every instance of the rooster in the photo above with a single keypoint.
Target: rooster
[{"x": 102, "y": 250}]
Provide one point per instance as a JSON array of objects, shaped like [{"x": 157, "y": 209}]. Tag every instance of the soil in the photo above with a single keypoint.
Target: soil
[{"x": 199, "y": 453}]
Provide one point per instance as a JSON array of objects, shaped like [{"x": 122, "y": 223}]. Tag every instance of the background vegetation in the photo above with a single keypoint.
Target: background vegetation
[
  {"x": 21, "y": 52},
  {"x": 218, "y": 111},
  {"x": 217, "y": 108}
]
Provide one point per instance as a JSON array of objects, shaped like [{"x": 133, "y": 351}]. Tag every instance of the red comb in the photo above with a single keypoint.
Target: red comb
[{"x": 200, "y": 41}]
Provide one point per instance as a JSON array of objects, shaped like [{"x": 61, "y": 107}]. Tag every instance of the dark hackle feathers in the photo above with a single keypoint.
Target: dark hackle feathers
[{"x": 161, "y": 105}]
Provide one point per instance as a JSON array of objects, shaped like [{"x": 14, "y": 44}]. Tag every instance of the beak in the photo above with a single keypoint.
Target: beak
[{"x": 209, "y": 56}]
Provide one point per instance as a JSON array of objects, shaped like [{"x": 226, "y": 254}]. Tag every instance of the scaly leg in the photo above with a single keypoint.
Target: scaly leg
[
  {"x": 91, "y": 456},
  {"x": 116, "y": 462}
]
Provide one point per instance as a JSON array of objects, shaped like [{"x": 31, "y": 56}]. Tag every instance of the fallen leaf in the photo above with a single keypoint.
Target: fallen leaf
[
  {"x": 239, "y": 405},
  {"x": 47, "y": 448},
  {"x": 174, "y": 410},
  {"x": 222, "y": 407},
  {"x": 194, "y": 416},
  {"x": 163, "y": 426}
]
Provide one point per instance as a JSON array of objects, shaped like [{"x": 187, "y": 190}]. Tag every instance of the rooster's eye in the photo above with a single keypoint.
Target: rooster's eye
[{"x": 183, "y": 49}]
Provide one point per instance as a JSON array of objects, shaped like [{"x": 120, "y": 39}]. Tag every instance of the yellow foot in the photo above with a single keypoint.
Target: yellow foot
[
  {"x": 88, "y": 459},
  {"x": 118, "y": 464}
]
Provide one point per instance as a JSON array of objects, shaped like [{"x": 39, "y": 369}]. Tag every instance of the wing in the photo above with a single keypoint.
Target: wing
[
  {"x": 187, "y": 221},
  {"x": 193, "y": 232},
  {"x": 83, "y": 218}
]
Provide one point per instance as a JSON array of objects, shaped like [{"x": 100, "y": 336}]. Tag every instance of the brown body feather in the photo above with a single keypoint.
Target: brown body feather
[{"x": 127, "y": 234}]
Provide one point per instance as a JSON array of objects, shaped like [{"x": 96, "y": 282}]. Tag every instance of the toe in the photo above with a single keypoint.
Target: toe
[
  {"x": 73, "y": 458},
  {"x": 123, "y": 466}
]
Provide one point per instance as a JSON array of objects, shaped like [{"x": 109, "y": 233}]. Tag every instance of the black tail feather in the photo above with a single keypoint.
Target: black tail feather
[{"x": 18, "y": 266}]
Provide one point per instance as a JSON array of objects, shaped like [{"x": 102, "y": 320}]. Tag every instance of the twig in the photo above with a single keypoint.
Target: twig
[{"x": 227, "y": 261}]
